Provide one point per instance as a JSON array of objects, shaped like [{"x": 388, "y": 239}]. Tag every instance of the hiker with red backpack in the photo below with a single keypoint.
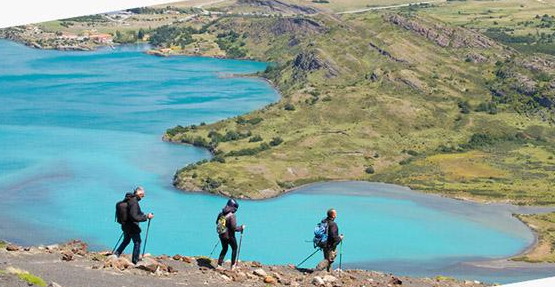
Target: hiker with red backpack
[
  {"x": 129, "y": 214},
  {"x": 226, "y": 226},
  {"x": 327, "y": 237}
]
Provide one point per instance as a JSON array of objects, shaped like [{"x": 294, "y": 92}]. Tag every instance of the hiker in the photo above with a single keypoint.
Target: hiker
[
  {"x": 226, "y": 227},
  {"x": 130, "y": 224},
  {"x": 333, "y": 239}
]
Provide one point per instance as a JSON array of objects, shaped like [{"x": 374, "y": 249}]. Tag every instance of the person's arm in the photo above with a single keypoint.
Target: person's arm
[
  {"x": 136, "y": 214},
  {"x": 233, "y": 224},
  {"x": 333, "y": 234}
]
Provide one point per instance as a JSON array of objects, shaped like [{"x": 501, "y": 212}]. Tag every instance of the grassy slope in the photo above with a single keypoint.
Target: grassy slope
[
  {"x": 544, "y": 225},
  {"x": 380, "y": 124}
]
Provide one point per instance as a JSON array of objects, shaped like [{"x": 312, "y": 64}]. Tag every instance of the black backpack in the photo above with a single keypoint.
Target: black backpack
[{"x": 122, "y": 209}]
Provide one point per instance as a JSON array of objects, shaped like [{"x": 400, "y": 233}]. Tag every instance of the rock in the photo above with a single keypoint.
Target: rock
[
  {"x": 318, "y": 281},
  {"x": 67, "y": 255},
  {"x": 11, "y": 247},
  {"x": 187, "y": 259},
  {"x": 329, "y": 279},
  {"x": 54, "y": 284},
  {"x": 256, "y": 264},
  {"x": 52, "y": 247},
  {"x": 177, "y": 257},
  {"x": 27, "y": 249},
  {"x": 260, "y": 272},
  {"x": 395, "y": 281},
  {"x": 270, "y": 280},
  {"x": 120, "y": 263},
  {"x": 226, "y": 278},
  {"x": 442, "y": 35}
]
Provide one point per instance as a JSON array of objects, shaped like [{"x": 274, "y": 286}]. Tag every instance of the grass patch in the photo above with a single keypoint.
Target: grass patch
[{"x": 32, "y": 279}]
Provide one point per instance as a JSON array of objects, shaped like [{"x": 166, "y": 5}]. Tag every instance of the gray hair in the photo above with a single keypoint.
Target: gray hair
[{"x": 139, "y": 189}]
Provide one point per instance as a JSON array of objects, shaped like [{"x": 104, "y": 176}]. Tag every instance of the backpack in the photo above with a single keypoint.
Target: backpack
[
  {"x": 221, "y": 224},
  {"x": 321, "y": 235},
  {"x": 122, "y": 209}
]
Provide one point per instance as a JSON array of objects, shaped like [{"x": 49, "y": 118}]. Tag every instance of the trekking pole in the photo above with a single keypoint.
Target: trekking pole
[
  {"x": 239, "y": 248},
  {"x": 146, "y": 237},
  {"x": 116, "y": 246},
  {"x": 214, "y": 249},
  {"x": 340, "y": 254},
  {"x": 309, "y": 257}
]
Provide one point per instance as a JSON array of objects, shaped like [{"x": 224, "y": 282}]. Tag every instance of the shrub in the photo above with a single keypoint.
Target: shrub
[
  {"x": 464, "y": 107},
  {"x": 370, "y": 170},
  {"x": 289, "y": 107},
  {"x": 276, "y": 141},
  {"x": 256, "y": 138}
]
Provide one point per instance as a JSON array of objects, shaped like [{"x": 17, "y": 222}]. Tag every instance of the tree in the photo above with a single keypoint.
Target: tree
[{"x": 140, "y": 34}]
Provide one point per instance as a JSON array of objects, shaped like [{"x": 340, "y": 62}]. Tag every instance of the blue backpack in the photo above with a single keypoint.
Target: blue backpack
[{"x": 321, "y": 235}]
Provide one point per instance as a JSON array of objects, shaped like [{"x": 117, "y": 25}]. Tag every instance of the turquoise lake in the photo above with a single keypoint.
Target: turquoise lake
[{"x": 79, "y": 129}]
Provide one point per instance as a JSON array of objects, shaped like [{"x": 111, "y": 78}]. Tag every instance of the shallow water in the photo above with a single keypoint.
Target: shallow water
[{"x": 79, "y": 129}]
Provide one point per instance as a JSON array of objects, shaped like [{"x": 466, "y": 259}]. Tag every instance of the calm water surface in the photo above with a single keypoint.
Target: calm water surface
[{"x": 78, "y": 129}]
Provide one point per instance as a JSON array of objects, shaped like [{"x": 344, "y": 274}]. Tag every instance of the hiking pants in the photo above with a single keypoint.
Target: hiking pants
[
  {"x": 127, "y": 236},
  {"x": 329, "y": 258},
  {"x": 226, "y": 242}
]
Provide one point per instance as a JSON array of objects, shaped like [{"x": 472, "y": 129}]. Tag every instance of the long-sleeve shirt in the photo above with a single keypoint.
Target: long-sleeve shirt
[
  {"x": 135, "y": 214},
  {"x": 333, "y": 234},
  {"x": 230, "y": 222}
]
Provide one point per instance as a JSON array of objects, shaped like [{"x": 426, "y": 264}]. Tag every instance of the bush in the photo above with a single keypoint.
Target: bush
[
  {"x": 370, "y": 170},
  {"x": 412, "y": 152},
  {"x": 289, "y": 107},
  {"x": 249, "y": 151},
  {"x": 255, "y": 138},
  {"x": 176, "y": 130},
  {"x": 276, "y": 141},
  {"x": 464, "y": 107}
]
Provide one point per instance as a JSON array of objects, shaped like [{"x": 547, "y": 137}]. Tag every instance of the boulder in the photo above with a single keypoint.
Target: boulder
[
  {"x": 395, "y": 281},
  {"x": 120, "y": 263},
  {"x": 270, "y": 280},
  {"x": 318, "y": 281},
  {"x": 260, "y": 272},
  {"x": 67, "y": 255},
  {"x": 329, "y": 279},
  {"x": 177, "y": 257},
  {"x": 256, "y": 264},
  {"x": 187, "y": 259},
  {"x": 11, "y": 247}
]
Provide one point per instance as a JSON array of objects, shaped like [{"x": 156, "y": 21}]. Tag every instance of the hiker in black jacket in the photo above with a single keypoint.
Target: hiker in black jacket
[
  {"x": 333, "y": 240},
  {"x": 227, "y": 231},
  {"x": 131, "y": 229}
]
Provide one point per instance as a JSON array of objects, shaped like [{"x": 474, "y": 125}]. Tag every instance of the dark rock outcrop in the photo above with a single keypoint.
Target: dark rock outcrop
[
  {"x": 297, "y": 26},
  {"x": 279, "y": 6},
  {"x": 309, "y": 61},
  {"x": 385, "y": 53},
  {"x": 442, "y": 35}
]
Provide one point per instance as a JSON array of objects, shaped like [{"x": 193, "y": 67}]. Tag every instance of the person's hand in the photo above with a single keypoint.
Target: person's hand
[
  {"x": 243, "y": 226},
  {"x": 150, "y": 216},
  {"x": 341, "y": 236}
]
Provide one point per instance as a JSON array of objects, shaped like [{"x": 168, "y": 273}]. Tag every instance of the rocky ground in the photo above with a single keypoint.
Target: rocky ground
[{"x": 71, "y": 264}]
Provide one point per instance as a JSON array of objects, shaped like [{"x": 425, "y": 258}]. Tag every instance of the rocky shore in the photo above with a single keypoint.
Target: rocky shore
[{"x": 71, "y": 264}]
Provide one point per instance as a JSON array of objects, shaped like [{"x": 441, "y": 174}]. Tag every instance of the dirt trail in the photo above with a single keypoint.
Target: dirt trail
[{"x": 71, "y": 265}]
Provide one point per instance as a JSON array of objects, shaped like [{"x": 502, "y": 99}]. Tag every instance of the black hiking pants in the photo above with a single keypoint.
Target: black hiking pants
[
  {"x": 128, "y": 235},
  {"x": 226, "y": 242}
]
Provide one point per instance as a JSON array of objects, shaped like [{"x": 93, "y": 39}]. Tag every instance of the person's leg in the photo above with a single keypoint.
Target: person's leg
[
  {"x": 124, "y": 243},
  {"x": 322, "y": 265},
  {"x": 233, "y": 244},
  {"x": 331, "y": 259},
  {"x": 224, "y": 250},
  {"x": 136, "y": 236}
]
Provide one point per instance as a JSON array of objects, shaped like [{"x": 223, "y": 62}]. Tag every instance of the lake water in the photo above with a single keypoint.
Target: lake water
[{"x": 79, "y": 129}]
